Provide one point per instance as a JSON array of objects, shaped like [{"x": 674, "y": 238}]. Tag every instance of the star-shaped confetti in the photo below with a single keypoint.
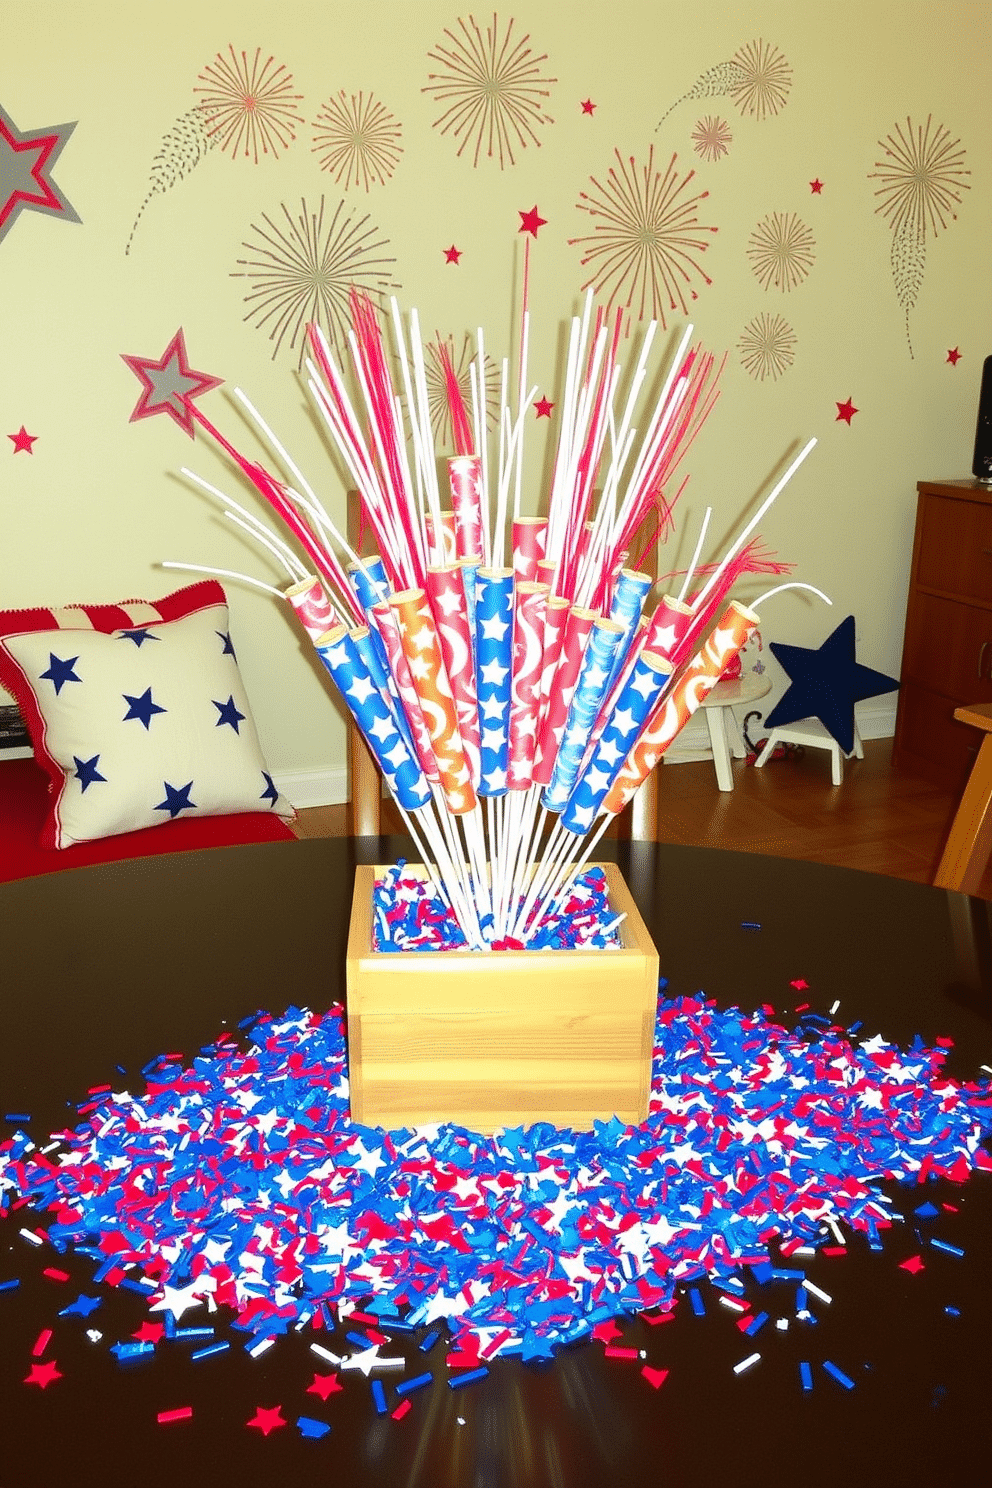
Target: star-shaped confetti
[
  {"x": 452, "y": 254},
  {"x": 606, "y": 1332},
  {"x": 953, "y": 356},
  {"x": 149, "y": 1333},
  {"x": 266, "y": 1420},
  {"x": 26, "y": 163},
  {"x": 324, "y": 1385},
  {"x": 23, "y": 441},
  {"x": 846, "y": 411},
  {"x": 543, "y": 408},
  {"x": 530, "y": 222},
  {"x": 178, "y": 1300},
  {"x": 816, "y": 187},
  {"x": 587, "y": 106},
  {"x": 43, "y": 1374},
  {"x": 169, "y": 384},
  {"x": 826, "y": 683},
  {"x": 913, "y": 1265}
]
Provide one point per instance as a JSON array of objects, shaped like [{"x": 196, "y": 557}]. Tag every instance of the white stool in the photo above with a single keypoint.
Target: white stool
[
  {"x": 811, "y": 733},
  {"x": 725, "y": 733}
]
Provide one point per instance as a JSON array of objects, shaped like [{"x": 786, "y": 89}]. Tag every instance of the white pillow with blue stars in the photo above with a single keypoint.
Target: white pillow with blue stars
[{"x": 141, "y": 724}]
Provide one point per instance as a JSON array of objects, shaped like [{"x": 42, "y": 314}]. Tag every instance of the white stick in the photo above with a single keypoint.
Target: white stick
[
  {"x": 224, "y": 573},
  {"x": 293, "y": 567},
  {"x": 735, "y": 549},
  {"x": 695, "y": 557},
  {"x": 781, "y": 589}
]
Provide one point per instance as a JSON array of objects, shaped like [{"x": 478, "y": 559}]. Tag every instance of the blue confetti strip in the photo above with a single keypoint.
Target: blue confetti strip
[
  {"x": 838, "y": 1375},
  {"x": 240, "y": 1180}
]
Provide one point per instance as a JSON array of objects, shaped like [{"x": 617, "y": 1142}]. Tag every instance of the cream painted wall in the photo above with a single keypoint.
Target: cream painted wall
[{"x": 91, "y": 511}]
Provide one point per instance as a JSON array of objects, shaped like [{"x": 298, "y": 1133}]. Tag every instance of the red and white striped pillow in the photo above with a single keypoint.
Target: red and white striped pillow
[{"x": 138, "y": 713}]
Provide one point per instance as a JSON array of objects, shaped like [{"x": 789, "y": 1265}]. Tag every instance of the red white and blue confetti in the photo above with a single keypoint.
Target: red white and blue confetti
[
  {"x": 408, "y": 915},
  {"x": 237, "y": 1184}
]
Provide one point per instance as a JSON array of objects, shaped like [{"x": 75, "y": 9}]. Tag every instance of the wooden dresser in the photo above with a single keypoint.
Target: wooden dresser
[{"x": 947, "y": 651}]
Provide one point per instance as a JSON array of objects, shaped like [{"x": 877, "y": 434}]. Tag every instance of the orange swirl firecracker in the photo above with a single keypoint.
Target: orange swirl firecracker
[
  {"x": 422, "y": 650},
  {"x": 389, "y": 630},
  {"x": 681, "y": 701}
]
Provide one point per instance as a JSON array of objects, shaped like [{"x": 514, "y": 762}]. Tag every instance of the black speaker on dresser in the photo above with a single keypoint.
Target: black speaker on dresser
[{"x": 981, "y": 466}]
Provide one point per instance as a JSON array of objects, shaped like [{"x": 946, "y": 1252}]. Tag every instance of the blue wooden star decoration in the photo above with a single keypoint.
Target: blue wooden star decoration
[{"x": 826, "y": 684}]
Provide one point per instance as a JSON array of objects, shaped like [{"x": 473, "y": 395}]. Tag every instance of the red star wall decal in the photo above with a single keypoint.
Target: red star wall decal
[
  {"x": 452, "y": 254},
  {"x": 953, "y": 356},
  {"x": 543, "y": 408},
  {"x": 846, "y": 411},
  {"x": 26, "y": 163},
  {"x": 530, "y": 222},
  {"x": 816, "y": 187},
  {"x": 587, "y": 106},
  {"x": 169, "y": 384},
  {"x": 23, "y": 441}
]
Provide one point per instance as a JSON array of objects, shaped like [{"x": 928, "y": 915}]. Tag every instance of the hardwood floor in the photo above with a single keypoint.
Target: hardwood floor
[{"x": 878, "y": 820}]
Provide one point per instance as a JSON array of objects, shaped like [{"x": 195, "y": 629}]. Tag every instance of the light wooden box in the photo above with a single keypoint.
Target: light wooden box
[{"x": 493, "y": 1039}]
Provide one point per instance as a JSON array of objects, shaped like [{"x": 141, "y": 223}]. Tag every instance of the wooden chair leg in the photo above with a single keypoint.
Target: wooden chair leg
[
  {"x": 644, "y": 811},
  {"x": 364, "y": 788},
  {"x": 970, "y": 842}
]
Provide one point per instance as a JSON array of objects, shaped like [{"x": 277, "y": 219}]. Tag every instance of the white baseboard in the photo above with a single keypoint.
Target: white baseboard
[
  {"x": 693, "y": 743},
  {"x": 327, "y": 786}
]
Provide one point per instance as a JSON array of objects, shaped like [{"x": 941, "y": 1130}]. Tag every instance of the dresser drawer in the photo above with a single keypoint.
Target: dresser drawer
[
  {"x": 930, "y": 741},
  {"x": 955, "y": 551},
  {"x": 948, "y": 648}
]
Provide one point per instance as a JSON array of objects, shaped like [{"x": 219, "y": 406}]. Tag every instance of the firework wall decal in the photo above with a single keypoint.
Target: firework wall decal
[
  {"x": 357, "y": 140},
  {"x": 711, "y": 138},
  {"x": 645, "y": 248},
  {"x": 921, "y": 180},
  {"x": 250, "y": 105},
  {"x": 182, "y": 148},
  {"x": 437, "y": 397},
  {"x": 767, "y": 347},
  {"x": 492, "y": 90},
  {"x": 304, "y": 267},
  {"x": 781, "y": 250},
  {"x": 757, "y": 78}
]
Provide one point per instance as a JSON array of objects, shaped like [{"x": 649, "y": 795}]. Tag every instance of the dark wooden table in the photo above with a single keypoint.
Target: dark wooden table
[{"x": 106, "y": 967}]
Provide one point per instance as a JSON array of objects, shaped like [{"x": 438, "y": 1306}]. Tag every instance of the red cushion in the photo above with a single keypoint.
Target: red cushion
[{"x": 24, "y": 805}]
